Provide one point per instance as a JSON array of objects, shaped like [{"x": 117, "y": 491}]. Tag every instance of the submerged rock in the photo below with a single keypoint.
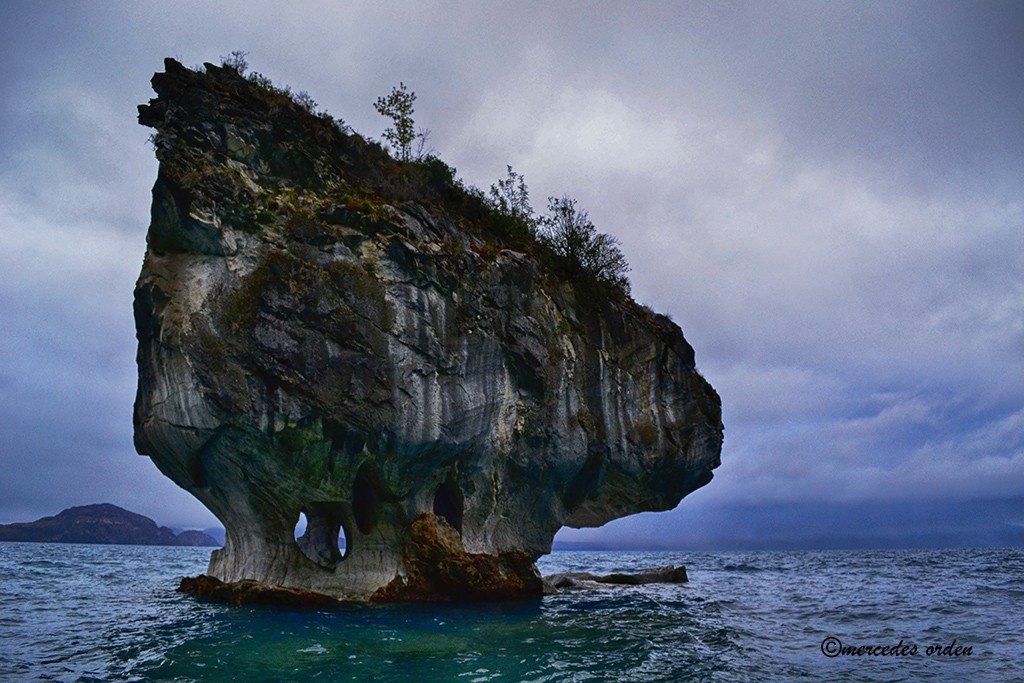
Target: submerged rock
[
  {"x": 562, "y": 580},
  {"x": 326, "y": 331}
]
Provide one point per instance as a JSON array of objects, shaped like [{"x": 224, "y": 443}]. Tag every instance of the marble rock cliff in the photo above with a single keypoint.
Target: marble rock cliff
[{"x": 326, "y": 331}]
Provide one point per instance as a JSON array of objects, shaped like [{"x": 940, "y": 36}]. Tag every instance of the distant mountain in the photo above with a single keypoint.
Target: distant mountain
[
  {"x": 217, "y": 533},
  {"x": 196, "y": 538},
  {"x": 102, "y": 523}
]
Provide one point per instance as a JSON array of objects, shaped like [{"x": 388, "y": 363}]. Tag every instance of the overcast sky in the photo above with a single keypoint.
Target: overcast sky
[{"x": 827, "y": 197}]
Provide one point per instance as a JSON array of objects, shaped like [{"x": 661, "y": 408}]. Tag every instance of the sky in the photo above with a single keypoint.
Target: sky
[{"x": 828, "y": 198}]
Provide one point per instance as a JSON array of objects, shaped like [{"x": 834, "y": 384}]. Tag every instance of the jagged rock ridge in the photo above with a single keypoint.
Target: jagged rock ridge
[{"x": 324, "y": 330}]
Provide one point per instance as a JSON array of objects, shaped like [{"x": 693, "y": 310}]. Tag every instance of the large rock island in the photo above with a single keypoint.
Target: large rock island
[
  {"x": 102, "y": 523},
  {"x": 326, "y": 331}
]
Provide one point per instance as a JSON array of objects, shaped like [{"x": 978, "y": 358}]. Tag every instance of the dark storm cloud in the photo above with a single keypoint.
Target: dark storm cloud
[
  {"x": 825, "y": 196},
  {"x": 923, "y": 87}
]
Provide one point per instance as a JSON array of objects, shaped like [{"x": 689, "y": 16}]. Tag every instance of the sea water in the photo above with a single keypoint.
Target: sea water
[{"x": 110, "y": 613}]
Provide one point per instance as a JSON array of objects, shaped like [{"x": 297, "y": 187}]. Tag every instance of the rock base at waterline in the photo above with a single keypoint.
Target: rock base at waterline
[
  {"x": 249, "y": 592},
  {"x": 443, "y": 573}
]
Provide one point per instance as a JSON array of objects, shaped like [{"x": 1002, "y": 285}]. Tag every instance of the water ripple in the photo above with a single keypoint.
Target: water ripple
[{"x": 105, "y": 613}]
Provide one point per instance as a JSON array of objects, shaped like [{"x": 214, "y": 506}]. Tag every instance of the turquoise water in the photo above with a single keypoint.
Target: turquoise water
[{"x": 110, "y": 613}]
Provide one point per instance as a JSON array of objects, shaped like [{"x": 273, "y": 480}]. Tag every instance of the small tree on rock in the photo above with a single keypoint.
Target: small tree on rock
[
  {"x": 398, "y": 107},
  {"x": 510, "y": 197},
  {"x": 583, "y": 251},
  {"x": 237, "y": 61}
]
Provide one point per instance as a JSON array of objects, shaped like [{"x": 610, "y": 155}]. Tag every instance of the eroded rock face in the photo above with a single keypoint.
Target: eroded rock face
[{"x": 323, "y": 330}]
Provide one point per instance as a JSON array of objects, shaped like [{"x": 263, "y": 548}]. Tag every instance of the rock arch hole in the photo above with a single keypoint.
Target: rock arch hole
[
  {"x": 320, "y": 534},
  {"x": 448, "y": 504}
]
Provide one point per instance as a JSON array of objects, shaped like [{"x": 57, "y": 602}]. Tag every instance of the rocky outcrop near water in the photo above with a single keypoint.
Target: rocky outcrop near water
[
  {"x": 327, "y": 332},
  {"x": 566, "y": 580},
  {"x": 249, "y": 592},
  {"x": 102, "y": 523}
]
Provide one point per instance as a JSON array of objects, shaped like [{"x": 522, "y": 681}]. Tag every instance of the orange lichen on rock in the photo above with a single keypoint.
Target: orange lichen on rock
[{"x": 438, "y": 569}]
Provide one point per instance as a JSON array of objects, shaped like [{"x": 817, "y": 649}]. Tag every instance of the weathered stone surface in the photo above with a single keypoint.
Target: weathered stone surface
[{"x": 324, "y": 330}]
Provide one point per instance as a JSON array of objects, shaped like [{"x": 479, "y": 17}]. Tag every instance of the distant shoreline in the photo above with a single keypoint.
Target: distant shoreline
[{"x": 102, "y": 524}]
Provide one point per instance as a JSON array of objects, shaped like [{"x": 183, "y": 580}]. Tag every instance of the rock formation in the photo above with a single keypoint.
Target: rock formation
[
  {"x": 326, "y": 331},
  {"x": 102, "y": 523}
]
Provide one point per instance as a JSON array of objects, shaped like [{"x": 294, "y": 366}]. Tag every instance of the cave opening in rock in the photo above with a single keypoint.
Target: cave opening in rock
[
  {"x": 448, "y": 504},
  {"x": 320, "y": 534}
]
